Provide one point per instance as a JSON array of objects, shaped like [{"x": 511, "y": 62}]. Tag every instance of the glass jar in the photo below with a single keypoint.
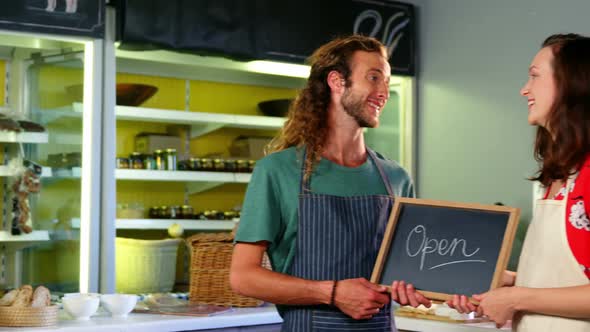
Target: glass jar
[
  {"x": 171, "y": 159},
  {"x": 136, "y": 160},
  {"x": 174, "y": 211},
  {"x": 149, "y": 162},
  {"x": 183, "y": 165},
  {"x": 230, "y": 166},
  {"x": 186, "y": 212},
  {"x": 194, "y": 164},
  {"x": 122, "y": 162},
  {"x": 242, "y": 166},
  {"x": 164, "y": 212},
  {"x": 154, "y": 212},
  {"x": 206, "y": 164},
  {"x": 218, "y": 165},
  {"x": 161, "y": 161},
  {"x": 251, "y": 164},
  {"x": 229, "y": 215}
]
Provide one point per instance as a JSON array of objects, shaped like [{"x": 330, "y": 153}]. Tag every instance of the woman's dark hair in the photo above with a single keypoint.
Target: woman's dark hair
[{"x": 562, "y": 148}]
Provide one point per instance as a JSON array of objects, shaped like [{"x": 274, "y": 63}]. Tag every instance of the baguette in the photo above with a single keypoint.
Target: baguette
[{"x": 8, "y": 298}]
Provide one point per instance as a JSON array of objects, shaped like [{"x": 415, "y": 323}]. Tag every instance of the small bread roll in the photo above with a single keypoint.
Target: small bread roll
[
  {"x": 9, "y": 298},
  {"x": 23, "y": 299},
  {"x": 41, "y": 297}
]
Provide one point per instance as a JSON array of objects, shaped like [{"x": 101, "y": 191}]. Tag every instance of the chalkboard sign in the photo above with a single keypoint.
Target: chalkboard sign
[
  {"x": 268, "y": 29},
  {"x": 446, "y": 248},
  {"x": 68, "y": 17}
]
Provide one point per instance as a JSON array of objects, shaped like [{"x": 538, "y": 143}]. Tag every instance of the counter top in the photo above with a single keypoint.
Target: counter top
[{"x": 267, "y": 314}]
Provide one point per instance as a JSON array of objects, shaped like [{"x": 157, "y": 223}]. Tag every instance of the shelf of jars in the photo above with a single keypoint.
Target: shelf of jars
[
  {"x": 17, "y": 242},
  {"x": 201, "y": 122},
  {"x": 23, "y": 137}
]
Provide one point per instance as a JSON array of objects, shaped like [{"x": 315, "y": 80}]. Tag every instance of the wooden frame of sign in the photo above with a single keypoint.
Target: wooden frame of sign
[{"x": 445, "y": 248}]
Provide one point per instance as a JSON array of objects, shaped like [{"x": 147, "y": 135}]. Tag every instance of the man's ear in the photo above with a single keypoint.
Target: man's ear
[{"x": 336, "y": 81}]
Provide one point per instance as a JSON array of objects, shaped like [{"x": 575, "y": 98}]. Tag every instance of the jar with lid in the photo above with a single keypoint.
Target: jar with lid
[
  {"x": 251, "y": 164},
  {"x": 229, "y": 215},
  {"x": 242, "y": 166},
  {"x": 174, "y": 211},
  {"x": 183, "y": 165},
  {"x": 171, "y": 159},
  {"x": 206, "y": 164},
  {"x": 161, "y": 161},
  {"x": 149, "y": 162},
  {"x": 164, "y": 212},
  {"x": 194, "y": 164},
  {"x": 122, "y": 162},
  {"x": 136, "y": 160},
  {"x": 186, "y": 212},
  {"x": 154, "y": 212},
  {"x": 230, "y": 166},
  {"x": 218, "y": 165}
]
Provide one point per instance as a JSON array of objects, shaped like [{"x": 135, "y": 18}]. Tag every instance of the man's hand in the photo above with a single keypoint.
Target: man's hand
[
  {"x": 359, "y": 298},
  {"x": 405, "y": 294}
]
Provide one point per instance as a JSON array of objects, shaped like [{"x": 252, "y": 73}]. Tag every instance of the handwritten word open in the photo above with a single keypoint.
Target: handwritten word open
[{"x": 442, "y": 247}]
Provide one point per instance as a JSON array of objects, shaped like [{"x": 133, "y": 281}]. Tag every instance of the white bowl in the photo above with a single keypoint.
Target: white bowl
[
  {"x": 81, "y": 307},
  {"x": 119, "y": 305}
]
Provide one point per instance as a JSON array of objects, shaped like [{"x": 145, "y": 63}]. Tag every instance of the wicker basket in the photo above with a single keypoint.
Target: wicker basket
[
  {"x": 210, "y": 263},
  {"x": 28, "y": 317}
]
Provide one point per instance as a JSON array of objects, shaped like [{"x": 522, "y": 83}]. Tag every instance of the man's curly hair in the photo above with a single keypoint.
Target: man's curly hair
[{"x": 307, "y": 122}]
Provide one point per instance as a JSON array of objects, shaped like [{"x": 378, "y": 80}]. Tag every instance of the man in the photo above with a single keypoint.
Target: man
[{"x": 319, "y": 204}]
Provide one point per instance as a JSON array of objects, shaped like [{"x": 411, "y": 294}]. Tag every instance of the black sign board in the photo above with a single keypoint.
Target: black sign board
[
  {"x": 446, "y": 248},
  {"x": 267, "y": 29},
  {"x": 65, "y": 17}
]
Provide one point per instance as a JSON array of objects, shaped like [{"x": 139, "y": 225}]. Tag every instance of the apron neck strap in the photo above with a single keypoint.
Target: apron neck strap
[{"x": 304, "y": 186}]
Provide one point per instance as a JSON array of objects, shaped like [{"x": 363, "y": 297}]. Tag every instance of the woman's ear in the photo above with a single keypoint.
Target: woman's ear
[{"x": 335, "y": 81}]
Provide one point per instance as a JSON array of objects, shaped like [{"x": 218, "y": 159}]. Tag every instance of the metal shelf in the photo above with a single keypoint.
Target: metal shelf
[
  {"x": 6, "y": 171},
  {"x": 17, "y": 242},
  {"x": 187, "y": 224},
  {"x": 201, "y": 123},
  {"x": 196, "y": 181},
  {"x": 23, "y": 137}
]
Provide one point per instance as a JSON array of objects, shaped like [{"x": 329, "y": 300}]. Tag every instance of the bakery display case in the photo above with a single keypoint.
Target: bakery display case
[{"x": 51, "y": 162}]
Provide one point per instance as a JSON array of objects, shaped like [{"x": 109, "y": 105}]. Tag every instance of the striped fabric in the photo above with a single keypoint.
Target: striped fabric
[{"x": 338, "y": 238}]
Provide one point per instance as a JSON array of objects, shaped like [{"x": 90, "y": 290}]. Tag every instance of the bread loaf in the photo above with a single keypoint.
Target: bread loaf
[
  {"x": 23, "y": 299},
  {"x": 8, "y": 298},
  {"x": 41, "y": 297}
]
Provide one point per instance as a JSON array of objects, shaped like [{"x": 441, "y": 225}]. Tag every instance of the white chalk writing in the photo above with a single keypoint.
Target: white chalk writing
[{"x": 442, "y": 247}]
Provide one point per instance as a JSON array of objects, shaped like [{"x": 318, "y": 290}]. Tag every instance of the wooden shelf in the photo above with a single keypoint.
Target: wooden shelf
[
  {"x": 187, "y": 224},
  {"x": 23, "y": 137}
]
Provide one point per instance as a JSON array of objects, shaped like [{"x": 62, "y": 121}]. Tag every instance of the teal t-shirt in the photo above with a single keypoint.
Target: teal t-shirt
[{"x": 269, "y": 212}]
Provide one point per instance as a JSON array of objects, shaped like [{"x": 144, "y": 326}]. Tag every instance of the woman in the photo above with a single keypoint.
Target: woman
[{"x": 551, "y": 290}]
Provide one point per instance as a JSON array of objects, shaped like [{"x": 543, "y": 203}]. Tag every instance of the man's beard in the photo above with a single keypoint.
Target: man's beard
[{"x": 355, "y": 107}]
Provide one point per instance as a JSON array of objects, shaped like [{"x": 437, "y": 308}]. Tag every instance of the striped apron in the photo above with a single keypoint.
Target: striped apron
[{"x": 338, "y": 238}]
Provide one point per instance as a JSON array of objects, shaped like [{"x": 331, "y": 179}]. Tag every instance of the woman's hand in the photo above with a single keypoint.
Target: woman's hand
[
  {"x": 462, "y": 304},
  {"x": 405, "y": 294},
  {"x": 499, "y": 305}
]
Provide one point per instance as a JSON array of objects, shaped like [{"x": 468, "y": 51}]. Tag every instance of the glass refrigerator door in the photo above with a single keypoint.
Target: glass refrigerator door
[{"x": 51, "y": 209}]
